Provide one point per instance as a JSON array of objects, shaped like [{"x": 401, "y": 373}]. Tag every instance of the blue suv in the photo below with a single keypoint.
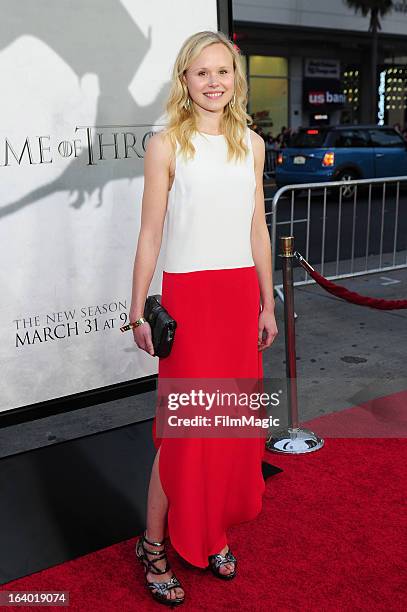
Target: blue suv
[{"x": 341, "y": 152}]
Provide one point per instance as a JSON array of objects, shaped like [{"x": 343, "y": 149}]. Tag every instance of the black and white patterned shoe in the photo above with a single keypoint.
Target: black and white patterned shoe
[
  {"x": 159, "y": 590},
  {"x": 216, "y": 562}
]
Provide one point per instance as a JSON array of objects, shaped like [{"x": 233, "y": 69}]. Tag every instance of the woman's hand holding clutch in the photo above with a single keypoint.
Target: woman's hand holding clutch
[{"x": 142, "y": 337}]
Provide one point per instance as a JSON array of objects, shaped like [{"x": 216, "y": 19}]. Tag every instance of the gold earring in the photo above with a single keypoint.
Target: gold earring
[
  {"x": 187, "y": 104},
  {"x": 233, "y": 101}
]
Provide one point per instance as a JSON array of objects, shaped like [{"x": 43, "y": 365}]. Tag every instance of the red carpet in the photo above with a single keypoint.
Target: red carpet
[
  {"x": 381, "y": 417},
  {"x": 331, "y": 536}
]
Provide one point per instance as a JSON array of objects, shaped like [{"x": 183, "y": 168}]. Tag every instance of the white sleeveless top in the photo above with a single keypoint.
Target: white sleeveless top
[{"x": 210, "y": 208}]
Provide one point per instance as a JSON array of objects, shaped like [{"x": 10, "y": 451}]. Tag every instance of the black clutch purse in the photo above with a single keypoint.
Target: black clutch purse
[{"x": 162, "y": 326}]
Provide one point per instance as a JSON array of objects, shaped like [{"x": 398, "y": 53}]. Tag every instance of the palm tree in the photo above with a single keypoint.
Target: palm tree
[{"x": 375, "y": 9}]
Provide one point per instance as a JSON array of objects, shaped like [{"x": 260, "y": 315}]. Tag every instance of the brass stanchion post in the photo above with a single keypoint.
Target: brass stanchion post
[{"x": 293, "y": 439}]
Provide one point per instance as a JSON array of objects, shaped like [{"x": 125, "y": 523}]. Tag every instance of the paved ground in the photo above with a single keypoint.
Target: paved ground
[{"x": 346, "y": 354}]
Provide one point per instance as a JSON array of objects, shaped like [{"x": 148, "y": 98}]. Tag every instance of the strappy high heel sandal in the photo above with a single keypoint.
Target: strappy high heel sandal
[
  {"x": 159, "y": 590},
  {"x": 216, "y": 562}
]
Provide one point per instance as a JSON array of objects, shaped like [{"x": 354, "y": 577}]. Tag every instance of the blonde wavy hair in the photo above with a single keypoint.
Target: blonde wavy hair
[{"x": 181, "y": 116}]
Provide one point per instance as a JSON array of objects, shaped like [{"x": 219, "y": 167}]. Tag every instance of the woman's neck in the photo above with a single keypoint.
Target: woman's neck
[{"x": 209, "y": 125}]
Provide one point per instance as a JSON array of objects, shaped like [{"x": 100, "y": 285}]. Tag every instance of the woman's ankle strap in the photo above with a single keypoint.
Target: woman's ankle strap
[{"x": 152, "y": 543}]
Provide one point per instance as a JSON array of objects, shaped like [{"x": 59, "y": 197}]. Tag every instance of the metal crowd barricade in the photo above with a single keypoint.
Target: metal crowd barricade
[{"x": 363, "y": 233}]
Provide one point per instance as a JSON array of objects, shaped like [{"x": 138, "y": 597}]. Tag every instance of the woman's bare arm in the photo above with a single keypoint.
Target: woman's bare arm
[
  {"x": 154, "y": 205},
  {"x": 261, "y": 250},
  {"x": 260, "y": 239}
]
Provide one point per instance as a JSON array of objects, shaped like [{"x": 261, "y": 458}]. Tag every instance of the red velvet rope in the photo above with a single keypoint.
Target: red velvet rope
[{"x": 356, "y": 298}]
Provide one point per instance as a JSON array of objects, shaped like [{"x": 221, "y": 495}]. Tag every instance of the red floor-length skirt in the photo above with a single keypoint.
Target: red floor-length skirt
[{"x": 211, "y": 483}]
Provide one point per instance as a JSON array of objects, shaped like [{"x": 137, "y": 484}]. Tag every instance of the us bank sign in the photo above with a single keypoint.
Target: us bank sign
[
  {"x": 325, "y": 97},
  {"x": 91, "y": 143},
  {"x": 322, "y": 93}
]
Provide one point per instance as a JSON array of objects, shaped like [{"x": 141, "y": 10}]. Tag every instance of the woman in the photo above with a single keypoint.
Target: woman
[{"x": 204, "y": 171}]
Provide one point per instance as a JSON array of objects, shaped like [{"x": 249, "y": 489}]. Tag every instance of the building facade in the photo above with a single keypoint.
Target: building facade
[{"x": 309, "y": 62}]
